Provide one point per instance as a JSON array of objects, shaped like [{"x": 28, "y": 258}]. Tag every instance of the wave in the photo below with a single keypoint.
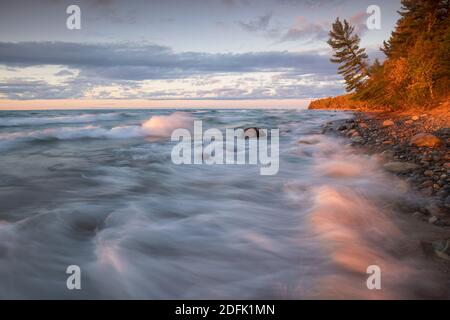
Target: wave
[
  {"x": 163, "y": 126},
  {"x": 34, "y": 121},
  {"x": 156, "y": 126}
]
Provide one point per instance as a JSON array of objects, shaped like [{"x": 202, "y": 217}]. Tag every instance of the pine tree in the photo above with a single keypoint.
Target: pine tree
[
  {"x": 348, "y": 54},
  {"x": 418, "y": 17}
]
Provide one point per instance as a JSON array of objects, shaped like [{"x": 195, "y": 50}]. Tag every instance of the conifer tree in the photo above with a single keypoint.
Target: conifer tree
[{"x": 348, "y": 54}]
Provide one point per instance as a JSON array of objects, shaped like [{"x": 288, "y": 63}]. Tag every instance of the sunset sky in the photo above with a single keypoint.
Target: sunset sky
[{"x": 167, "y": 53}]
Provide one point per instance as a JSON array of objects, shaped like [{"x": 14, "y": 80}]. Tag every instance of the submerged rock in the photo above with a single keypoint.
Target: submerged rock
[
  {"x": 442, "y": 248},
  {"x": 400, "y": 167},
  {"x": 425, "y": 140}
]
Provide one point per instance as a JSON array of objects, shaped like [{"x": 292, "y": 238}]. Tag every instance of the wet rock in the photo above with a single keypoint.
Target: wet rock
[
  {"x": 447, "y": 202},
  {"x": 442, "y": 248},
  {"x": 388, "y": 123},
  {"x": 427, "y": 184},
  {"x": 433, "y": 220},
  {"x": 427, "y": 191},
  {"x": 387, "y": 154},
  {"x": 415, "y": 118},
  {"x": 428, "y": 173},
  {"x": 419, "y": 216},
  {"x": 309, "y": 142},
  {"x": 400, "y": 167},
  {"x": 357, "y": 139},
  {"x": 425, "y": 140}
]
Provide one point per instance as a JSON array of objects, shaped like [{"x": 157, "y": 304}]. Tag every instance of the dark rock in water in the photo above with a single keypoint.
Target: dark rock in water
[
  {"x": 447, "y": 202},
  {"x": 387, "y": 154},
  {"x": 309, "y": 142},
  {"x": 433, "y": 220},
  {"x": 419, "y": 216},
  {"x": 400, "y": 167},
  {"x": 357, "y": 139},
  {"x": 252, "y": 132},
  {"x": 442, "y": 249}
]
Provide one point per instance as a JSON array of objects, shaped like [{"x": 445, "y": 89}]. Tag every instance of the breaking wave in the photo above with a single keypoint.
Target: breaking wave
[
  {"x": 141, "y": 227},
  {"x": 35, "y": 121},
  {"x": 156, "y": 126}
]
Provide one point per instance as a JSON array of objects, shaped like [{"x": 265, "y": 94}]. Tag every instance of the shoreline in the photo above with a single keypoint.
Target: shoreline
[{"x": 415, "y": 146}]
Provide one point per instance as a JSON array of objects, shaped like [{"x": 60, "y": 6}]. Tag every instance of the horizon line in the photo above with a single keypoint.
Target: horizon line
[{"x": 79, "y": 104}]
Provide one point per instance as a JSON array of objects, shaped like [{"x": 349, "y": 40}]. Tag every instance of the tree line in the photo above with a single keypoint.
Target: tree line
[{"x": 416, "y": 70}]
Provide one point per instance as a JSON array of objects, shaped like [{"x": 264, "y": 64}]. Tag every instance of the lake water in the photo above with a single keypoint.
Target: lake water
[{"x": 98, "y": 189}]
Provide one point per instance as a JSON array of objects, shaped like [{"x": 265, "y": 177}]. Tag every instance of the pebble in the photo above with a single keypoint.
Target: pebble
[
  {"x": 357, "y": 139},
  {"x": 416, "y": 148},
  {"x": 400, "y": 167},
  {"x": 387, "y": 154},
  {"x": 388, "y": 123},
  {"x": 425, "y": 140},
  {"x": 433, "y": 220},
  {"x": 428, "y": 173}
]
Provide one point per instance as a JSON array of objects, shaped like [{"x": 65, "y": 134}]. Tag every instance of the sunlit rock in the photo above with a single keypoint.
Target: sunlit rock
[{"x": 425, "y": 140}]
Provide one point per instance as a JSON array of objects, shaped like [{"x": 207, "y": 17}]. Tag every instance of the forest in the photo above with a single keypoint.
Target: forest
[{"x": 415, "y": 71}]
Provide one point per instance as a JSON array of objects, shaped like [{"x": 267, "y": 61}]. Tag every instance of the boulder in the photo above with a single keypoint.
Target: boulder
[
  {"x": 253, "y": 132},
  {"x": 425, "y": 140},
  {"x": 400, "y": 167}
]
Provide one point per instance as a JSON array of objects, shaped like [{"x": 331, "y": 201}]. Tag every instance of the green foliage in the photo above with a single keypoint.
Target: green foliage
[
  {"x": 416, "y": 71},
  {"x": 347, "y": 53}
]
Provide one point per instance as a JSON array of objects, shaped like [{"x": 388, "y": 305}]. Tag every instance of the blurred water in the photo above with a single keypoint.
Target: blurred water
[{"x": 98, "y": 189}]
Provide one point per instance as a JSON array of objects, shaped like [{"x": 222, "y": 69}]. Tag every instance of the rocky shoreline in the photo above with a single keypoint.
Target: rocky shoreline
[{"x": 415, "y": 147}]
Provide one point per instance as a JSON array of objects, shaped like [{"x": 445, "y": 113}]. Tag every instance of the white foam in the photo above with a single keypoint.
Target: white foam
[
  {"x": 82, "y": 118},
  {"x": 156, "y": 126},
  {"x": 163, "y": 126}
]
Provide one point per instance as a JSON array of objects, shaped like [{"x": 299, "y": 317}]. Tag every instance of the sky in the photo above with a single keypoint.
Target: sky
[{"x": 172, "y": 53}]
